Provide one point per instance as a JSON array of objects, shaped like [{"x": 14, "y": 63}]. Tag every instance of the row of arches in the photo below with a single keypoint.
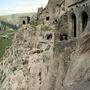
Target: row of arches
[{"x": 83, "y": 22}]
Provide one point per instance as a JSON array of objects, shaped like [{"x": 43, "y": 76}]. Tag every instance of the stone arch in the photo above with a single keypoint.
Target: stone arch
[
  {"x": 74, "y": 25},
  {"x": 83, "y": 20}
]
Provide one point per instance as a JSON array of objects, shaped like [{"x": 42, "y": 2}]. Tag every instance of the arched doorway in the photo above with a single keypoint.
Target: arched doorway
[
  {"x": 47, "y": 18},
  {"x": 24, "y": 22},
  {"x": 84, "y": 17},
  {"x": 74, "y": 26}
]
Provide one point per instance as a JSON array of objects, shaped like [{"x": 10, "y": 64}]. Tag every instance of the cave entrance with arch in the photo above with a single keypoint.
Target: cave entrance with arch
[
  {"x": 47, "y": 18},
  {"x": 84, "y": 19},
  {"x": 23, "y": 22}
]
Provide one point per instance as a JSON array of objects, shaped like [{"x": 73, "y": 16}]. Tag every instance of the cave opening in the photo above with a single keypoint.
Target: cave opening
[
  {"x": 47, "y": 18},
  {"x": 24, "y": 22},
  {"x": 84, "y": 20},
  {"x": 49, "y": 36}
]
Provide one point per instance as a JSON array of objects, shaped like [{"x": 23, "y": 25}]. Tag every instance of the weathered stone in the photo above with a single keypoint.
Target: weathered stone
[{"x": 39, "y": 60}]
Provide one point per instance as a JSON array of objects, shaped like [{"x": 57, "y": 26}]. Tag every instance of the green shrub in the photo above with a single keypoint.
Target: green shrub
[
  {"x": 5, "y": 40},
  {"x": 45, "y": 28}
]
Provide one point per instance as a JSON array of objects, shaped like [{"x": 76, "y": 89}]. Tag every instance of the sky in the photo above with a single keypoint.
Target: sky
[{"x": 20, "y": 6}]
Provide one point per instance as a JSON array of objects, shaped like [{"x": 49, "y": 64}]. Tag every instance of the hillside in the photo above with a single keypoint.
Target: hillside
[
  {"x": 6, "y": 38},
  {"x": 52, "y": 52},
  {"x": 8, "y": 28},
  {"x": 14, "y": 19}
]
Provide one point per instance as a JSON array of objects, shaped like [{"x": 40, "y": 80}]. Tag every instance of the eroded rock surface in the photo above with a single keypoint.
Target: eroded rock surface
[
  {"x": 35, "y": 63},
  {"x": 38, "y": 60},
  {"x": 26, "y": 63}
]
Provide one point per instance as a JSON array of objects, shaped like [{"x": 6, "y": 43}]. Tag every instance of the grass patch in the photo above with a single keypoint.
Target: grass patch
[
  {"x": 45, "y": 28},
  {"x": 5, "y": 40}
]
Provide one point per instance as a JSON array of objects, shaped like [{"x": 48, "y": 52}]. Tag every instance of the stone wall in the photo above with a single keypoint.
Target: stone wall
[{"x": 78, "y": 17}]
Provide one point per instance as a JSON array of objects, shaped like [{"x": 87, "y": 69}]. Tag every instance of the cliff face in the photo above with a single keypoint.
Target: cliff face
[
  {"x": 53, "y": 11},
  {"x": 73, "y": 69},
  {"x": 26, "y": 63},
  {"x": 51, "y": 5},
  {"x": 78, "y": 75},
  {"x": 38, "y": 60},
  {"x": 33, "y": 63},
  {"x": 54, "y": 7}
]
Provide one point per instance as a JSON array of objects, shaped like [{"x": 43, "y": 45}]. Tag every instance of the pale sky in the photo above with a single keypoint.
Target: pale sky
[{"x": 20, "y": 6}]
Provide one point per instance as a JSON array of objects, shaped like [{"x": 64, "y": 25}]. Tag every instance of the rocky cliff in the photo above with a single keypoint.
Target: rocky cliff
[
  {"x": 34, "y": 62},
  {"x": 26, "y": 63},
  {"x": 38, "y": 60}
]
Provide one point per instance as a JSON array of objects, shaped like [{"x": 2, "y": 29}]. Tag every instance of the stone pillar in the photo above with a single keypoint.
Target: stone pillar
[
  {"x": 88, "y": 24},
  {"x": 88, "y": 12},
  {"x": 77, "y": 26},
  {"x": 70, "y": 26}
]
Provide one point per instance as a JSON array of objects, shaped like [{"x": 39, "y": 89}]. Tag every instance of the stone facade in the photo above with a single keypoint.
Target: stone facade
[
  {"x": 78, "y": 17},
  {"x": 77, "y": 20},
  {"x": 24, "y": 20}
]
